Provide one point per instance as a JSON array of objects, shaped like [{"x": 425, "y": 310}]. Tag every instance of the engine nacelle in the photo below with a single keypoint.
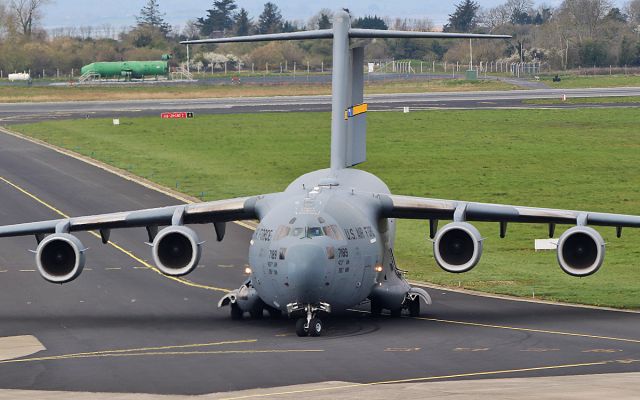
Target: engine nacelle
[
  {"x": 60, "y": 257},
  {"x": 457, "y": 247},
  {"x": 580, "y": 251},
  {"x": 176, "y": 250}
]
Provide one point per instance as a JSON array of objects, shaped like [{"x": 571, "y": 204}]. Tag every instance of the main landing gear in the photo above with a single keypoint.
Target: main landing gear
[{"x": 411, "y": 304}]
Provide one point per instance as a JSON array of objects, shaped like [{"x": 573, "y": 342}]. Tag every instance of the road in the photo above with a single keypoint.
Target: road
[
  {"x": 33, "y": 112},
  {"x": 122, "y": 327}
]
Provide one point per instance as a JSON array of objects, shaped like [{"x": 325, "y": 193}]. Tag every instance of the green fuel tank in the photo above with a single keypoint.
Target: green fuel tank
[{"x": 127, "y": 69}]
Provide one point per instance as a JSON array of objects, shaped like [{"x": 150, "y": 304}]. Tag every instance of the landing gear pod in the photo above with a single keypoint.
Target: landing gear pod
[
  {"x": 580, "y": 251},
  {"x": 60, "y": 258},
  {"x": 176, "y": 250},
  {"x": 457, "y": 247}
]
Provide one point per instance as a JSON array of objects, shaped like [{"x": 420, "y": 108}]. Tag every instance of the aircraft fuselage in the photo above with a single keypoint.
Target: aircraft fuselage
[{"x": 322, "y": 242}]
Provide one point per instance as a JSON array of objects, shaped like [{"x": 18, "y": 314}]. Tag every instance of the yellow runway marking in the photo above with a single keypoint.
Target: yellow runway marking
[
  {"x": 433, "y": 378},
  {"x": 473, "y": 350},
  {"x": 246, "y": 225},
  {"x": 135, "y": 350},
  {"x": 402, "y": 349},
  {"x": 513, "y": 328},
  {"x": 120, "y": 248},
  {"x": 160, "y": 353},
  {"x": 539, "y": 350},
  {"x": 602, "y": 351}
]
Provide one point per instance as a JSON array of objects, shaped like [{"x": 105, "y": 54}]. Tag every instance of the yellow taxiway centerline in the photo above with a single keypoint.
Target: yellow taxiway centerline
[
  {"x": 124, "y": 351},
  {"x": 118, "y": 247},
  {"x": 513, "y": 328}
]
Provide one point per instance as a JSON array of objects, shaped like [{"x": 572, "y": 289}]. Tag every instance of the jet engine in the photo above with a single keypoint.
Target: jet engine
[
  {"x": 580, "y": 251},
  {"x": 176, "y": 250},
  {"x": 60, "y": 257},
  {"x": 457, "y": 247}
]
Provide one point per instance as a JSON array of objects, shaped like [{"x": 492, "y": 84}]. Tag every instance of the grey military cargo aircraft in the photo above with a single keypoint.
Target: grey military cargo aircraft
[{"x": 326, "y": 242}]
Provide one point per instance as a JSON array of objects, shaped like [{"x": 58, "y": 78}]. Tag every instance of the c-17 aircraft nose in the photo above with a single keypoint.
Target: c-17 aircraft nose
[{"x": 307, "y": 265}]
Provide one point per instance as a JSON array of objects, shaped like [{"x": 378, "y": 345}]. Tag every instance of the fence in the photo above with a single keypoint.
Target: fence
[{"x": 402, "y": 67}]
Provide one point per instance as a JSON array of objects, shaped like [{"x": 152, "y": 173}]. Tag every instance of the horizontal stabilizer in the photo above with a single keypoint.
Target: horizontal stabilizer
[
  {"x": 353, "y": 33},
  {"x": 317, "y": 34},
  {"x": 379, "y": 33}
]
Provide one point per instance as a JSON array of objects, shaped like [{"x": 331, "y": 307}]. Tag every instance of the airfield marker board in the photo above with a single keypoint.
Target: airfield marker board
[{"x": 176, "y": 115}]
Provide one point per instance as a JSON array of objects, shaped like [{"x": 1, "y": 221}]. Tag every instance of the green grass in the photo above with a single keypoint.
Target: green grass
[
  {"x": 584, "y": 158},
  {"x": 587, "y": 100},
  {"x": 591, "y": 81}
]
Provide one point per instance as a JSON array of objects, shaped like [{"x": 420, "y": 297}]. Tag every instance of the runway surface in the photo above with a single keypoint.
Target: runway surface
[
  {"x": 121, "y": 327},
  {"x": 33, "y": 112}
]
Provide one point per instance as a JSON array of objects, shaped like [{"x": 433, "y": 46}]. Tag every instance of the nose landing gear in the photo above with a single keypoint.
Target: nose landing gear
[{"x": 311, "y": 325}]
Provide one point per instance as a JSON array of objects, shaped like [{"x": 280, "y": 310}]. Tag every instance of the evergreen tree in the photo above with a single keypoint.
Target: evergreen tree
[
  {"x": 370, "y": 22},
  {"x": 324, "y": 22},
  {"x": 270, "y": 21},
  {"x": 616, "y": 15},
  {"x": 520, "y": 17},
  {"x": 289, "y": 26},
  {"x": 242, "y": 23},
  {"x": 628, "y": 53},
  {"x": 464, "y": 18},
  {"x": 150, "y": 16},
  {"x": 220, "y": 18}
]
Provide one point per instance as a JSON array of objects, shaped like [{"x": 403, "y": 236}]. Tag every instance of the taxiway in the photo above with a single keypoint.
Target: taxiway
[
  {"x": 123, "y": 327},
  {"x": 11, "y": 113}
]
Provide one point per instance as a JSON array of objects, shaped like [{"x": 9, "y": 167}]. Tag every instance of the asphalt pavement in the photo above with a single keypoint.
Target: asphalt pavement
[
  {"x": 122, "y": 327},
  {"x": 11, "y": 113}
]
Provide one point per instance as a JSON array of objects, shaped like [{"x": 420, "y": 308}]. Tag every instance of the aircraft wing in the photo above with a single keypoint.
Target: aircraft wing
[
  {"x": 197, "y": 213},
  {"x": 395, "y": 206}
]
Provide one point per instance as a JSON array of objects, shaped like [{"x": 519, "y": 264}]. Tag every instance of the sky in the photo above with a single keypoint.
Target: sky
[{"x": 121, "y": 13}]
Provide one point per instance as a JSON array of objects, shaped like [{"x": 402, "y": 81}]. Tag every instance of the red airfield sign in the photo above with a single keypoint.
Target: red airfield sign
[{"x": 178, "y": 115}]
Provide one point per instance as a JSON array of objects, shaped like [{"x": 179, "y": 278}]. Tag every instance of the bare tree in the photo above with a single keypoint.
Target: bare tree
[
  {"x": 320, "y": 19},
  {"x": 27, "y": 13},
  {"x": 495, "y": 17},
  {"x": 632, "y": 9},
  {"x": 191, "y": 29},
  {"x": 585, "y": 15},
  {"x": 4, "y": 19}
]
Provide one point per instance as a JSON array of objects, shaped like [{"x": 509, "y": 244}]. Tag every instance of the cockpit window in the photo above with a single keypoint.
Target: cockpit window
[
  {"x": 332, "y": 231},
  {"x": 307, "y": 232},
  {"x": 281, "y": 232},
  {"x": 298, "y": 232},
  {"x": 314, "y": 231},
  {"x": 337, "y": 231}
]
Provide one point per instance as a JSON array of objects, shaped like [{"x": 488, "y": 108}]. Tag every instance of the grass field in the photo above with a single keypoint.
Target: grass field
[
  {"x": 584, "y": 158},
  {"x": 587, "y": 100},
  {"x": 15, "y": 94},
  {"x": 591, "y": 81}
]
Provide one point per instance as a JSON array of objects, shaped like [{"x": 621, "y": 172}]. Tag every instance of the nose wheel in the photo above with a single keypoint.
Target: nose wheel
[{"x": 309, "y": 326}]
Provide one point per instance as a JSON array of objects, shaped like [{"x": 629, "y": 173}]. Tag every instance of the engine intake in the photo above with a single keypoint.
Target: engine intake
[
  {"x": 176, "y": 250},
  {"x": 60, "y": 258},
  {"x": 580, "y": 251},
  {"x": 457, "y": 247}
]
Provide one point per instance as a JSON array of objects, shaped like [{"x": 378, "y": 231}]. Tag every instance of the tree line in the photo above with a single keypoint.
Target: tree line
[{"x": 576, "y": 33}]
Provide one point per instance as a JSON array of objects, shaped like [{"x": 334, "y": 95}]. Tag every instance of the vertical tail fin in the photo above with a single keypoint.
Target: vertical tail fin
[
  {"x": 356, "y": 150},
  {"x": 348, "y": 123}
]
